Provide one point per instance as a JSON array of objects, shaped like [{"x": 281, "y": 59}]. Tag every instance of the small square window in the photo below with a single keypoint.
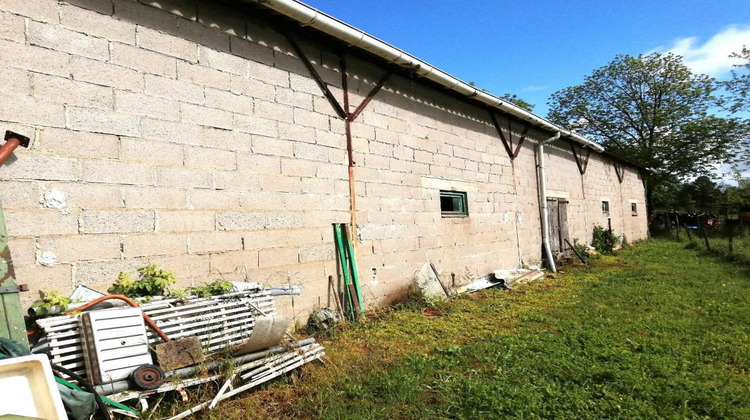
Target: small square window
[
  {"x": 634, "y": 209},
  {"x": 453, "y": 204},
  {"x": 605, "y": 207}
]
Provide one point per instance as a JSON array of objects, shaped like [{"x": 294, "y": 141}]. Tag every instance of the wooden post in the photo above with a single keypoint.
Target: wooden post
[
  {"x": 705, "y": 234},
  {"x": 11, "y": 316}
]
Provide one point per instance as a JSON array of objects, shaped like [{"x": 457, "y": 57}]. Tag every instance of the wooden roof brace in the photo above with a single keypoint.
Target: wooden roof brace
[
  {"x": 508, "y": 143},
  {"x": 619, "y": 170},
  {"x": 581, "y": 161}
]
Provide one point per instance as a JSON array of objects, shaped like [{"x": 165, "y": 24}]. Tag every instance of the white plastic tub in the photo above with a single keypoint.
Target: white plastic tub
[{"x": 28, "y": 389}]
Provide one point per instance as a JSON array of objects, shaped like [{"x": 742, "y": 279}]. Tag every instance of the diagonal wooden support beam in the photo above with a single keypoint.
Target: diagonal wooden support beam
[
  {"x": 620, "y": 171},
  {"x": 314, "y": 73},
  {"x": 370, "y": 95},
  {"x": 520, "y": 142},
  {"x": 502, "y": 136},
  {"x": 581, "y": 161}
]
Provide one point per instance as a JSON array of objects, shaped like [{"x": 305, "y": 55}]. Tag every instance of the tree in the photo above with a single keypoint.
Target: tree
[
  {"x": 515, "y": 100},
  {"x": 739, "y": 85},
  {"x": 652, "y": 109}
]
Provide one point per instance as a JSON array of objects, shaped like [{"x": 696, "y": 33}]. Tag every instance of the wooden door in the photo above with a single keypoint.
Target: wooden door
[{"x": 557, "y": 211}]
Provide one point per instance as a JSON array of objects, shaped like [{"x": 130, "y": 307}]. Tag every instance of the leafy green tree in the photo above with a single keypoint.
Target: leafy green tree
[
  {"x": 652, "y": 109},
  {"x": 515, "y": 100},
  {"x": 739, "y": 85}
]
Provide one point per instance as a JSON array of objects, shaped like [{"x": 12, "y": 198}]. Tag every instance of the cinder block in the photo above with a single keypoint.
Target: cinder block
[
  {"x": 208, "y": 37},
  {"x": 60, "y": 39},
  {"x": 143, "y": 60},
  {"x": 42, "y": 10},
  {"x": 58, "y": 277},
  {"x": 305, "y": 84},
  {"x": 147, "y": 106},
  {"x": 172, "y": 132},
  {"x": 260, "y": 200},
  {"x": 268, "y": 74},
  {"x": 271, "y": 146},
  {"x": 143, "y": 15},
  {"x": 174, "y": 89},
  {"x": 296, "y": 132},
  {"x": 99, "y": 275},
  {"x": 107, "y": 122},
  {"x": 179, "y": 353},
  {"x": 253, "y": 88},
  {"x": 214, "y": 199},
  {"x": 40, "y": 222},
  {"x": 228, "y": 101},
  {"x": 150, "y": 245},
  {"x": 316, "y": 253},
  {"x": 22, "y": 251},
  {"x": 26, "y": 110},
  {"x": 115, "y": 172},
  {"x": 114, "y": 221},
  {"x": 14, "y": 81},
  {"x": 104, "y": 74},
  {"x": 187, "y": 10},
  {"x": 298, "y": 100},
  {"x": 12, "y": 27},
  {"x": 154, "y": 198},
  {"x": 221, "y": 18},
  {"x": 276, "y": 257},
  {"x": 214, "y": 242},
  {"x": 231, "y": 180},
  {"x": 185, "y": 221},
  {"x": 88, "y": 196},
  {"x": 234, "y": 220},
  {"x": 71, "y": 249},
  {"x": 77, "y": 143},
  {"x": 171, "y": 45},
  {"x": 204, "y": 76},
  {"x": 311, "y": 152},
  {"x": 150, "y": 151},
  {"x": 234, "y": 265},
  {"x": 32, "y": 166},
  {"x": 281, "y": 183},
  {"x": 172, "y": 176},
  {"x": 190, "y": 270},
  {"x": 274, "y": 111},
  {"x": 294, "y": 167},
  {"x": 285, "y": 220},
  {"x": 19, "y": 195},
  {"x": 222, "y": 61},
  {"x": 311, "y": 119},
  {"x": 255, "y": 125},
  {"x": 251, "y": 50},
  {"x": 95, "y": 24},
  {"x": 206, "y": 116}
]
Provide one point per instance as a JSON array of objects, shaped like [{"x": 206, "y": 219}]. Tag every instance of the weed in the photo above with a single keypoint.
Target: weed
[
  {"x": 151, "y": 282},
  {"x": 604, "y": 240}
]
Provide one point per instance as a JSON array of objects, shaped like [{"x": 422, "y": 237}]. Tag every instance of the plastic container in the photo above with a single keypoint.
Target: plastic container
[{"x": 28, "y": 389}]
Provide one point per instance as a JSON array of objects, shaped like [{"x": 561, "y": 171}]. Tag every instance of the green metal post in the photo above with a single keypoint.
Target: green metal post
[
  {"x": 355, "y": 271},
  {"x": 344, "y": 270},
  {"x": 11, "y": 315}
]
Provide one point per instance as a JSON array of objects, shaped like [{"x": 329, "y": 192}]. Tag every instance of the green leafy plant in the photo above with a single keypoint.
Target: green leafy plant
[
  {"x": 604, "y": 240},
  {"x": 151, "y": 282},
  {"x": 50, "y": 301},
  {"x": 216, "y": 287}
]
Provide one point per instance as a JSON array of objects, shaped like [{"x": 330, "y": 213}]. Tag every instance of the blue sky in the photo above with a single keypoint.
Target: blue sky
[{"x": 534, "y": 48}]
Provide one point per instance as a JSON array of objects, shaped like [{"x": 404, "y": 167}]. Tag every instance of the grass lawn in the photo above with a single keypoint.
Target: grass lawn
[{"x": 659, "y": 331}]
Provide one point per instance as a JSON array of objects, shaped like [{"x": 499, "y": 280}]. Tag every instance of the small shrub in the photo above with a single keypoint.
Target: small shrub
[
  {"x": 216, "y": 287},
  {"x": 604, "y": 240},
  {"x": 151, "y": 282},
  {"x": 50, "y": 302}
]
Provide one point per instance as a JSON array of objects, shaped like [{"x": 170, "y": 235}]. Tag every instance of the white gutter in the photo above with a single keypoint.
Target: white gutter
[
  {"x": 543, "y": 200},
  {"x": 308, "y": 16}
]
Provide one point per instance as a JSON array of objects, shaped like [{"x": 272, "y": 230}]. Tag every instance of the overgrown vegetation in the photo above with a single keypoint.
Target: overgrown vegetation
[
  {"x": 604, "y": 240},
  {"x": 151, "y": 282},
  {"x": 50, "y": 302},
  {"x": 658, "y": 331}
]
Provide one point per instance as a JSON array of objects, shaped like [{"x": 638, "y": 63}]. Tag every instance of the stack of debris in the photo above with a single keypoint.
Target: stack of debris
[{"x": 190, "y": 341}]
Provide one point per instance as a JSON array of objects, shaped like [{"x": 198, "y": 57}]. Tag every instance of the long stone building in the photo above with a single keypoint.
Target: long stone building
[{"x": 223, "y": 140}]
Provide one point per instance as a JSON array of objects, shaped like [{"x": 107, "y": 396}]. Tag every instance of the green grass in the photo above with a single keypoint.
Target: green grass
[{"x": 659, "y": 331}]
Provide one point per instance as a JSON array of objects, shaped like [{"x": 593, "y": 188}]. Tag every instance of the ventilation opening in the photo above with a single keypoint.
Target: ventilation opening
[{"x": 453, "y": 204}]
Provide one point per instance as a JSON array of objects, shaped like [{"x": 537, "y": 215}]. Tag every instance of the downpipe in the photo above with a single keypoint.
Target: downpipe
[{"x": 542, "y": 185}]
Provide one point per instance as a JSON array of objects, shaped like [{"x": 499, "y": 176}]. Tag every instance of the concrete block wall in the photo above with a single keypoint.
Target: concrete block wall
[{"x": 189, "y": 135}]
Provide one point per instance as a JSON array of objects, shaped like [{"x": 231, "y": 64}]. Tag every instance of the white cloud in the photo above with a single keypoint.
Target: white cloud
[
  {"x": 712, "y": 56},
  {"x": 535, "y": 88}
]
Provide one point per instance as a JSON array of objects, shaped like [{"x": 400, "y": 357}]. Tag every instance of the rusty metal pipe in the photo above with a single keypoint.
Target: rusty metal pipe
[
  {"x": 7, "y": 149},
  {"x": 130, "y": 302}
]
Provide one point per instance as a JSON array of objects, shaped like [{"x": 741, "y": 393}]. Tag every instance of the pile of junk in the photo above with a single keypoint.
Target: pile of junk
[{"x": 115, "y": 356}]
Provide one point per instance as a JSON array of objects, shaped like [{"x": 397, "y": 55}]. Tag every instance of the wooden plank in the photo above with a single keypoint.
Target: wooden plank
[
  {"x": 11, "y": 313},
  {"x": 563, "y": 222},
  {"x": 554, "y": 224}
]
